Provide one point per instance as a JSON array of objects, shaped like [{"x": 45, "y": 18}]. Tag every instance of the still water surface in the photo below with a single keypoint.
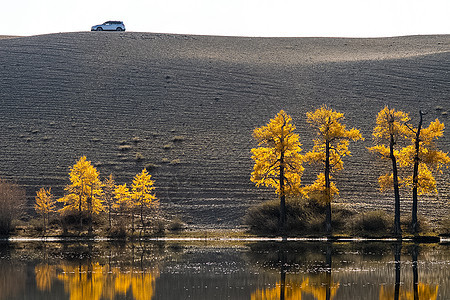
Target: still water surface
[{"x": 225, "y": 270}]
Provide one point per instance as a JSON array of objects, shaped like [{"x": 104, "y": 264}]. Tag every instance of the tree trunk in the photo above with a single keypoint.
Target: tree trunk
[
  {"x": 282, "y": 195},
  {"x": 132, "y": 221},
  {"x": 109, "y": 215},
  {"x": 90, "y": 211},
  {"x": 327, "y": 188},
  {"x": 397, "y": 229},
  {"x": 81, "y": 215},
  {"x": 45, "y": 227},
  {"x": 142, "y": 219},
  {"x": 416, "y": 176}
]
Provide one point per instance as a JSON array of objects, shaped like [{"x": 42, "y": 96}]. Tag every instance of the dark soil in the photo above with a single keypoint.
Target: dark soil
[{"x": 125, "y": 100}]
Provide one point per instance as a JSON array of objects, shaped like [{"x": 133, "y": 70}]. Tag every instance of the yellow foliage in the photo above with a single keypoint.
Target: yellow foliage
[
  {"x": 430, "y": 157},
  {"x": 318, "y": 191},
  {"x": 123, "y": 198},
  {"x": 426, "y": 182},
  {"x": 45, "y": 203},
  {"x": 328, "y": 124},
  {"x": 391, "y": 123},
  {"x": 85, "y": 191},
  {"x": 141, "y": 190},
  {"x": 391, "y": 126},
  {"x": 279, "y": 148},
  {"x": 331, "y": 132}
]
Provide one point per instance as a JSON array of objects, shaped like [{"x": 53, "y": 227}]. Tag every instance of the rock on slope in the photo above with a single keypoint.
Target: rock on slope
[{"x": 185, "y": 107}]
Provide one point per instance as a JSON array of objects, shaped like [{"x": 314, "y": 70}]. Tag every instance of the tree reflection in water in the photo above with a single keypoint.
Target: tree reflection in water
[
  {"x": 94, "y": 280},
  {"x": 419, "y": 291},
  {"x": 320, "y": 286}
]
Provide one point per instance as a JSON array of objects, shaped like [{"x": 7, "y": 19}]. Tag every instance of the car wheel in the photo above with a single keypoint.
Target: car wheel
[
  {"x": 119, "y": 29},
  {"x": 99, "y": 29}
]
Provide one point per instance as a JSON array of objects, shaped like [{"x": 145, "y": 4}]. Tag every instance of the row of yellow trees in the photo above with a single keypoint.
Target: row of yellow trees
[
  {"x": 87, "y": 193},
  {"x": 279, "y": 164}
]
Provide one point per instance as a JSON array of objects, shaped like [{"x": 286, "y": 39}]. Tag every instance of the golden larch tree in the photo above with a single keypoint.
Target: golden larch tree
[
  {"x": 142, "y": 194},
  {"x": 124, "y": 202},
  {"x": 330, "y": 147},
  {"x": 84, "y": 193},
  {"x": 278, "y": 162},
  {"x": 425, "y": 157},
  {"x": 45, "y": 204},
  {"x": 390, "y": 129}
]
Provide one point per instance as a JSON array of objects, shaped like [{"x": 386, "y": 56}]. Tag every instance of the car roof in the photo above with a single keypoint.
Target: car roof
[{"x": 113, "y": 22}]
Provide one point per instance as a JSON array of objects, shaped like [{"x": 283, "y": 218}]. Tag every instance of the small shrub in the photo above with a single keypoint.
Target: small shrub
[
  {"x": 139, "y": 156},
  {"x": 136, "y": 139},
  {"x": 445, "y": 227},
  {"x": 175, "y": 161},
  {"x": 373, "y": 222},
  {"x": 159, "y": 226},
  {"x": 422, "y": 224},
  {"x": 167, "y": 146},
  {"x": 151, "y": 166},
  {"x": 124, "y": 148},
  {"x": 176, "y": 225},
  {"x": 123, "y": 142},
  {"x": 74, "y": 219},
  {"x": 178, "y": 138},
  {"x": 118, "y": 232},
  {"x": 341, "y": 219}
]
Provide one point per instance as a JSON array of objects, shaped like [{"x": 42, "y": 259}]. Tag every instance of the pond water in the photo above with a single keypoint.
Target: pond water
[{"x": 224, "y": 270}]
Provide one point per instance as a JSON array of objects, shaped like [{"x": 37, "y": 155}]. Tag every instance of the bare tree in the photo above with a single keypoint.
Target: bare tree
[{"x": 12, "y": 205}]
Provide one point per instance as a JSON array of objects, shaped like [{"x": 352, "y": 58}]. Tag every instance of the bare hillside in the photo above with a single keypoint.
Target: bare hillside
[{"x": 188, "y": 104}]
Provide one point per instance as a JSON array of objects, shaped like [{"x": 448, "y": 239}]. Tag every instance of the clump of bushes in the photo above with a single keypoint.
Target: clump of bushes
[
  {"x": 305, "y": 217},
  {"x": 302, "y": 216},
  {"x": 372, "y": 223},
  {"x": 422, "y": 224},
  {"x": 176, "y": 225},
  {"x": 445, "y": 227}
]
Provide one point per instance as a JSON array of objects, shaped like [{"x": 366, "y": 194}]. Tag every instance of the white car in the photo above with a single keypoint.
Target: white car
[{"x": 110, "y": 25}]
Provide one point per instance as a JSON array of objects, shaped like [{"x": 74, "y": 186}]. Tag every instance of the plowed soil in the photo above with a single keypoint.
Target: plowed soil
[{"x": 187, "y": 105}]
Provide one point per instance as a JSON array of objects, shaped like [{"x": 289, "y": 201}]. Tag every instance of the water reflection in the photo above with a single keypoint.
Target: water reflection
[
  {"x": 419, "y": 290},
  {"x": 92, "y": 280},
  {"x": 324, "y": 286},
  {"x": 320, "y": 286},
  {"x": 256, "y": 271}
]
